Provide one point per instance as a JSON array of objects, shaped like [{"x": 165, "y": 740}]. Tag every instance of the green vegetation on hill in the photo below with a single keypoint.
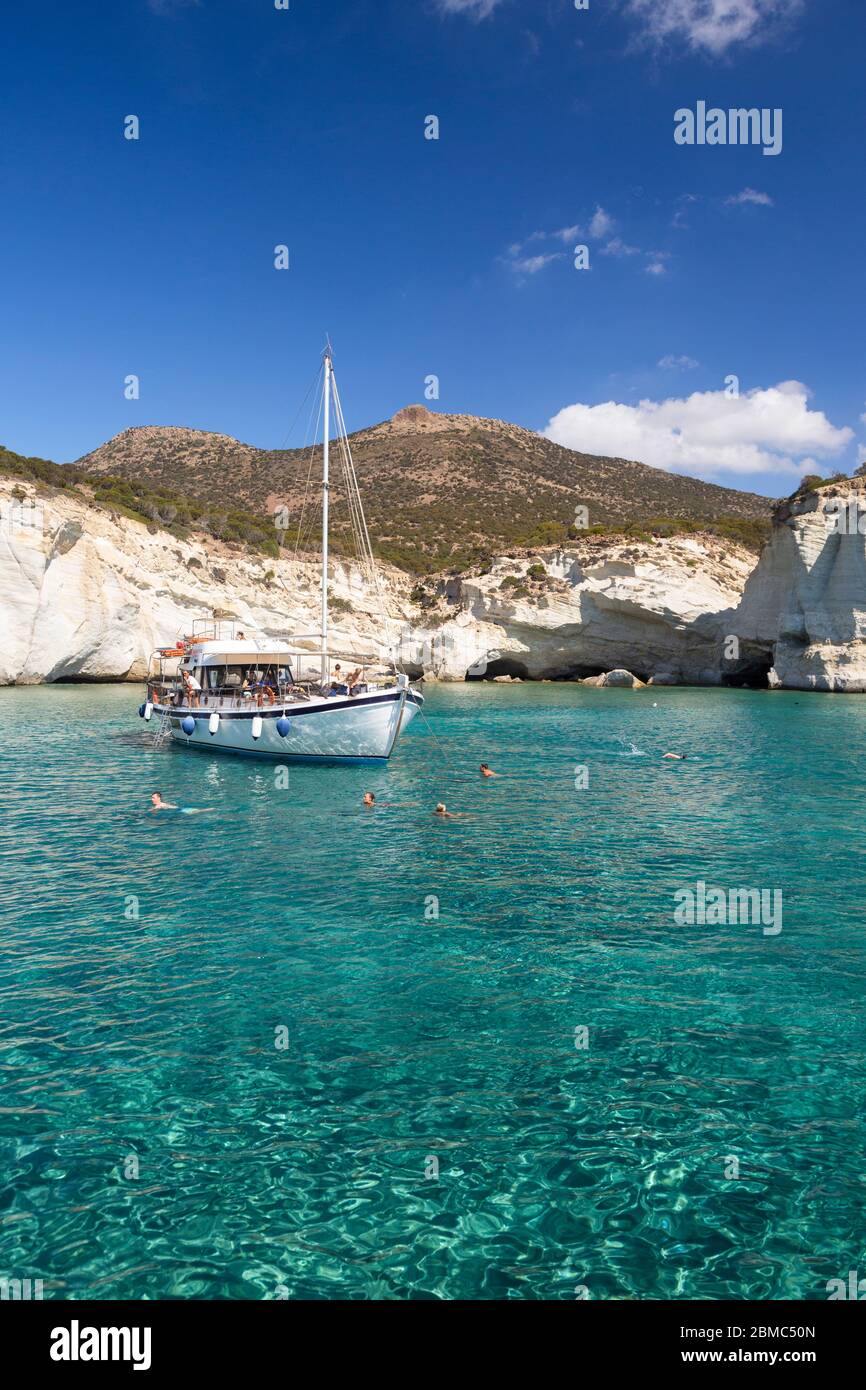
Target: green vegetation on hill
[
  {"x": 813, "y": 481},
  {"x": 157, "y": 507},
  {"x": 441, "y": 492}
]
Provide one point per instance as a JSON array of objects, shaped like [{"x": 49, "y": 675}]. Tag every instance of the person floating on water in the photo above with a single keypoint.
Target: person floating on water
[
  {"x": 678, "y": 757},
  {"x": 160, "y": 805},
  {"x": 487, "y": 771},
  {"x": 442, "y": 810}
]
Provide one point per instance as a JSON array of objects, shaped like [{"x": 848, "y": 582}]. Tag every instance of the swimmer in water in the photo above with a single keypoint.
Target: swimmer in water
[
  {"x": 487, "y": 772},
  {"x": 444, "y": 813},
  {"x": 369, "y": 799},
  {"x": 160, "y": 805},
  {"x": 678, "y": 757}
]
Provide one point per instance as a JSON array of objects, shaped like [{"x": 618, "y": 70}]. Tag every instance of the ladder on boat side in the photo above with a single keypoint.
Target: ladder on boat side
[{"x": 163, "y": 730}]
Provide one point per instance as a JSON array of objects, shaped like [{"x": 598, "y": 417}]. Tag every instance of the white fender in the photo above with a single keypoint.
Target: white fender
[
  {"x": 148, "y": 710},
  {"x": 257, "y": 726},
  {"x": 214, "y": 722}
]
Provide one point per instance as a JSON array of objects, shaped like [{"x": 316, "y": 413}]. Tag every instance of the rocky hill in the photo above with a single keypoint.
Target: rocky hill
[
  {"x": 87, "y": 590},
  {"x": 87, "y": 593},
  {"x": 440, "y": 491}
]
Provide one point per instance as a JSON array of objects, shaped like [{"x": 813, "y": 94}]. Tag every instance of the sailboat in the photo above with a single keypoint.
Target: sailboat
[{"x": 218, "y": 690}]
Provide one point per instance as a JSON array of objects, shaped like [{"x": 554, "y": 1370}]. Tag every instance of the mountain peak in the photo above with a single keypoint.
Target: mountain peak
[
  {"x": 419, "y": 419},
  {"x": 438, "y": 489}
]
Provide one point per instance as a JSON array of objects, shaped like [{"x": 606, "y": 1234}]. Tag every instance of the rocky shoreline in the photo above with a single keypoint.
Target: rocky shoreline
[{"x": 86, "y": 594}]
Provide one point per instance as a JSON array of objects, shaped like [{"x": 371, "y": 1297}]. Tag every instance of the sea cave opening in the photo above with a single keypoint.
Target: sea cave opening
[
  {"x": 751, "y": 672},
  {"x": 502, "y": 666}
]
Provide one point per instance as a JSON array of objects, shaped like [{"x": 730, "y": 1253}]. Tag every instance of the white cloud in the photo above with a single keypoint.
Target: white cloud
[
  {"x": 750, "y": 195},
  {"x": 602, "y": 223},
  {"x": 711, "y": 25},
  {"x": 680, "y": 364},
  {"x": 708, "y": 433},
  {"x": 530, "y": 265},
  {"x": 616, "y": 247},
  {"x": 564, "y": 234},
  {"x": 476, "y": 9},
  {"x": 600, "y": 227},
  {"x": 568, "y": 233}
]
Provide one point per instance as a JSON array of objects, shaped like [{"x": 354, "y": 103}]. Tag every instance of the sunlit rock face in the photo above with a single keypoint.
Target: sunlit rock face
[
  {"x": 656, "y": 606},
  {"x": 85, "y": 595},
  {"x": 89, "y": 595},
  {"x": 806, "y": 600}
]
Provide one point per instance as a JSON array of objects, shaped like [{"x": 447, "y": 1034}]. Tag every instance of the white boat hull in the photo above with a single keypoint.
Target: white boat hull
[{"x": 338, "y": 729}]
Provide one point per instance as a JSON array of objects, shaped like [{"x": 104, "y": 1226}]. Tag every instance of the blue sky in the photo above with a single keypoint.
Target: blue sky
[{"x": 452, "y": 257}]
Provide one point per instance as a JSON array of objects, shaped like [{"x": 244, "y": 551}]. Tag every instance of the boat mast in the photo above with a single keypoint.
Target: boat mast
[{"x": 325, "y": 486}]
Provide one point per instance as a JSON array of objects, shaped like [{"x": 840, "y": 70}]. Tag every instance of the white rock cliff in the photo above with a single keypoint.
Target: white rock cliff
[
  {"x": 806, "y": 600},
  {"x": 86, "y": 594}
]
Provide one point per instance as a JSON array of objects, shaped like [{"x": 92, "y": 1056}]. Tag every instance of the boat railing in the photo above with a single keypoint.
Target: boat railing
[{"x": 220, "y": 698}]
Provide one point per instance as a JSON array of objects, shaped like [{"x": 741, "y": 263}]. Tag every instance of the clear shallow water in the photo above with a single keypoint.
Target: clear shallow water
[{"x": 412, "y": 1036}]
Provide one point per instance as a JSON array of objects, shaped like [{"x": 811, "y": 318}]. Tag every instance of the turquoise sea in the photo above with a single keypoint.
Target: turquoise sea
[{"x": 158, "y": 1140}]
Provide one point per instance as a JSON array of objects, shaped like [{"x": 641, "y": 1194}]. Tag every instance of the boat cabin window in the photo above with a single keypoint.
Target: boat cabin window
[{"x": 248, "y": 675}]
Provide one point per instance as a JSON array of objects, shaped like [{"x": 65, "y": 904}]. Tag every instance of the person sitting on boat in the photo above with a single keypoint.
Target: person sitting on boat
[
  {"x": 355, "y": 681},
  {"x": 338, "y": 685}
]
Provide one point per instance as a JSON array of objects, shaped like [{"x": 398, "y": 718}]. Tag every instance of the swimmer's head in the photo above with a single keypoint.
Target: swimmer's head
[
  {"x": 369, "y": 799},
  {"x": 156, "y": 798},
  {"x": 484, "y": 767},
  {"x": 440, "y": 808}
]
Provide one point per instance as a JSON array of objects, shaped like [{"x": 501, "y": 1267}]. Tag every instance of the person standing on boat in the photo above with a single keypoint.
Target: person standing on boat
[{"x": 192, "y": 688}]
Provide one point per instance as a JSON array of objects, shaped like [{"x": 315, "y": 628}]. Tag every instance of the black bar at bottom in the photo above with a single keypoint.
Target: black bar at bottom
[{"x": 170, "y": 1338}]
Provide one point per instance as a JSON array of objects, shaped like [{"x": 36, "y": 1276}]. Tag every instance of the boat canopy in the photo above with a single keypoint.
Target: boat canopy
[
  {"x": 238, "y": 653},
  {"x": 223, "y": 653}
]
